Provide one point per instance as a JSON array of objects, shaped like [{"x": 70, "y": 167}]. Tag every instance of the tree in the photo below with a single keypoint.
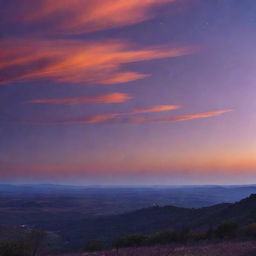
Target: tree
[
  {"x": 15, "y": 248},
  {"x": 227, "y": 229},
  {"x": 164, "y": 237},
  {"x": 36, "y": 239},
  {"x": 94, "y": 245},
  {"x": 130, "y": 241},
  {"x": 250, "y": 230}
]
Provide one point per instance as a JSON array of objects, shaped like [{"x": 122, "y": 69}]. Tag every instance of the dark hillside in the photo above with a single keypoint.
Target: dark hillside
[
  {"x": 156, "y": 219},
  {"x": 147, "y": 220}
]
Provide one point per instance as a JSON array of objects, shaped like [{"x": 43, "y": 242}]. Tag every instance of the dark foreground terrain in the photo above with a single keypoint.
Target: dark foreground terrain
[{"x": 247, "y": 248}]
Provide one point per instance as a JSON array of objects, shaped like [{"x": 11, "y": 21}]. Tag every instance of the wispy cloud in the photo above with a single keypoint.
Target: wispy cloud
[
  {"x": 102, "y": 118},
  {"x": 124, "y": 77},
  {"x": 160, "y": 108},
  {"x": 119, "y": 118},
  {"x": 105, "y": 98},
  {"x": 74, "y": 61},
  {"x": 174, "y": 118},
  {"x": 196, "y": 116},
  {"x": 81, "y": 16}
]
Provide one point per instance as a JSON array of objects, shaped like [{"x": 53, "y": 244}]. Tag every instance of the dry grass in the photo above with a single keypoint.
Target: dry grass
[{"x": 247, "y": 248}]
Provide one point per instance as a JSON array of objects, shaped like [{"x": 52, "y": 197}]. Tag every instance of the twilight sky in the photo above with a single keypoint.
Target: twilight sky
[{"x": 128, "y": 92}]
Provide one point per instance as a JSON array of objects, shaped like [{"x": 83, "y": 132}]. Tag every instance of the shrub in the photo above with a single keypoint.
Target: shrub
[
  {"x": 199, "y": 236},
  {"x": 210, "y": 234},
  {"x": 183, "y": 235},
  {"x": 164, "y": 237},
  {"x": 35, "y": 239},
  {"x": 94, "y": 245},
  {"x": 14, "y": 249},
  {"x": 250, "y": 230},
  {"x": 227, "y": 230},
  {"x": 131, "y": 241}
]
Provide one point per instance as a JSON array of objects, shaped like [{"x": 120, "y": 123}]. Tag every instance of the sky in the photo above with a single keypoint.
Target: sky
[{"x": 128, "y": 92}]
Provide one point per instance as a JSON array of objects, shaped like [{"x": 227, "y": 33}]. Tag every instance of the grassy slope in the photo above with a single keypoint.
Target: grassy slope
[{"x": 247, "y": 248}]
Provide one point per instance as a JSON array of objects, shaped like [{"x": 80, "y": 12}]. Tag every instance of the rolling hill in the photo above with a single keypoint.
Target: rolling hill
[{"x": 157, "y": 218}]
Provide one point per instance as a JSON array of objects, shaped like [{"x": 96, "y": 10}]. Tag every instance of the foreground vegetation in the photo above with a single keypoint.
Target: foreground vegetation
[
  {"x": 226, "y": 238},
  {"x": 227, "y": 248},
  {"x": 226, "y": 231}
]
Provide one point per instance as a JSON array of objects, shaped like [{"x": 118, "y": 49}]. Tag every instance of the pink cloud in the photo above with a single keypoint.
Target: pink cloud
[
  {"x": 118, "y": 117},
  {"x": 74, "y": 61},
  {"x": 81, "y": 16},
  {"x": 105, "y": 98},
  {"x": 176, "y": 118}
]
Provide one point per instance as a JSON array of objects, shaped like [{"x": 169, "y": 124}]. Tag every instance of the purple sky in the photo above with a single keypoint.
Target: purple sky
[{"x": 128, "y": 92}]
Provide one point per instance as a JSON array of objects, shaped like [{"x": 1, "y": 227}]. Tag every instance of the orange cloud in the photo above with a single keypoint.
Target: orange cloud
[
  {"x": 109, "y": 117},
  {"x": 76, "y": 61},
  {"x": 124, "y": 77},
  {"x": 115, "y": 117},
  {"x": 102, "y": 118},
  {"x": 176, "y": 118},
  {"x": 83, "y": 16},
  {"x": 153, "y": 109},
  {"x": 106, "y": 98},
  {"x": 195, "y": 116}
]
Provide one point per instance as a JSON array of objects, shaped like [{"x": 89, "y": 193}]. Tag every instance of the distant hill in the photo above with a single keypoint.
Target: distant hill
[{"x": 156, "y": 218}]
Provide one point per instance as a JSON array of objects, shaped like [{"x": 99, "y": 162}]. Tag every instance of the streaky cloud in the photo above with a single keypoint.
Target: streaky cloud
[
  {"x": 80, "y": 16},
  {"x": 104, "y": 118},
  {"x": 105, "y": 98},
  {"x": 160, "y": 108},
  {"x": 117, "y": 118},
  {"x": 75, "y": 61},
  {"x": 174, "y": 118}
]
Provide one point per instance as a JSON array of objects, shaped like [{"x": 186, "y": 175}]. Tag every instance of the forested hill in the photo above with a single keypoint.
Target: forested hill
[{"x": 157, "y": 218}]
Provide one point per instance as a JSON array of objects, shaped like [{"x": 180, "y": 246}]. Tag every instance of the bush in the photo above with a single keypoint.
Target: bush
[
  {"x": 36, "y": 238},
  {"x": 250, "y": 230},
  {"x": 14, "y": 249},
  {"x": 183, "y": 235},
  {"x": 199, "y": 236},
  {"x": 131, "y": 241},
  {"x": 210, "y": 234},
  {"x": 227, "y": 230},
  {"x": 164, "y": 237},
  {"x": 93, "y": 246}
]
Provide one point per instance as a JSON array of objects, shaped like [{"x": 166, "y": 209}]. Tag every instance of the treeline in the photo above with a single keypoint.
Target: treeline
[
  {"x": 29, "y": 246},
  {"x": 226, "y": 230}
]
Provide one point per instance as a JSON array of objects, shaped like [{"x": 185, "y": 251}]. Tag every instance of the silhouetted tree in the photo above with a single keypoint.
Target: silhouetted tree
[
  {"x": 15, "y": 248},
  {"x": 35, "y": 240},
  {"x": 94, "y": 245},
  {"x": 130, "y": 241},
  {"x": 164, "y": 237},
  {"x": 250, "y": 230},
  {"x": 227, "y": 229}
]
